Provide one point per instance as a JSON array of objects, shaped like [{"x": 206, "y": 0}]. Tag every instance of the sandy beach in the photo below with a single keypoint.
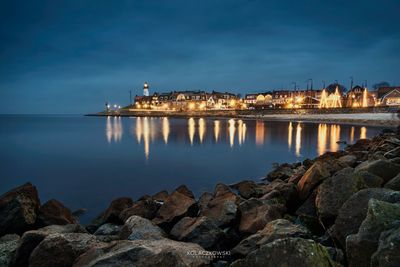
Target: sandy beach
[{"x": 378, "y": 119}]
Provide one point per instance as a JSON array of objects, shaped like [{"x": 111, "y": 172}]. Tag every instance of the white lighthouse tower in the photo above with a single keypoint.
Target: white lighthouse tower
[{"x": 145, "y": 89}]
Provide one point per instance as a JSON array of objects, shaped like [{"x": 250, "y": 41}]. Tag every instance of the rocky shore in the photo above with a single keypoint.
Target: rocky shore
[{"x": 339, "y": 209}]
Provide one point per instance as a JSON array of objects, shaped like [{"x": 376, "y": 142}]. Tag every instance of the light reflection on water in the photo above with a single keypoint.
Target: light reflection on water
[{"x": 152, "y": 129}]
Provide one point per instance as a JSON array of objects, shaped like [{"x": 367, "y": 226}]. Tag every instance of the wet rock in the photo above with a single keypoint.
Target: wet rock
[
  {"x": 256, "y": 213},
  {"x": 31, "y": 239},
  {"x": 380, "y": 217},
  {"x": 382, "y": 168},
  {"x": 354, "y": 211},
  {"x": 394, "y": 183},
  {"x": 144, "y": 253},
  {"x": 387, "y": 254},
  {"x": 140, "y": 228},
  {"x": 160, "y": 196},
  {"x": 54, "y": 212},
  {"x": 179, "y": 204},
  {"x": 8, "y": 245},
  {"x": 313, "y": 176},
  {"x": 287, "y": 252},
  {"x": 108, "y": 229},
  {"x": 200, "y": 230},
  {"x": 282, "y": 172},
  {"x": 143, "y": 208},
  {"x": 248, "y": 189},
  {"x": 222, "y": 208},
  {"x": 18, "y": 209},
  {"x": 61, "y": 249},
  {"x": 111, "y": 215},
  {"x": 334, "y": 191},
  {"x": 274, "y": 230}
]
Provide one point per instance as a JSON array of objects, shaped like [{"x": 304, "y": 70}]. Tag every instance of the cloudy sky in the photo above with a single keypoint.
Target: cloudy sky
[{"x": 72, "y": 56}]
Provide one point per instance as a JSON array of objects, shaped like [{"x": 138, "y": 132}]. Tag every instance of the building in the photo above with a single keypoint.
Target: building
[{"x": 388, "y": 96}]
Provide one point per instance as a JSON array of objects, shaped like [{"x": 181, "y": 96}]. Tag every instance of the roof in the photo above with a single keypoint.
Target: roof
[{"x": 382, "y": 91}]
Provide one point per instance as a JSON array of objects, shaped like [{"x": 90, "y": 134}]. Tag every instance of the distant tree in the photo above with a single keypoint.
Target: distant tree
[{"x": 381, "y": 84}]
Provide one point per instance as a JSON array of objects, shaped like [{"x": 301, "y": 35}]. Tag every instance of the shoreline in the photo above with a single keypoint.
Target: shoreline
[{"x": 317, "y": 207}]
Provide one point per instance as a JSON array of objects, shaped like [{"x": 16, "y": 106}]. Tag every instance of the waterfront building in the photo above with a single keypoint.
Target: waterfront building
[
  {"x": 359, "y": 97},
  {"x": 388, "y": 96}
]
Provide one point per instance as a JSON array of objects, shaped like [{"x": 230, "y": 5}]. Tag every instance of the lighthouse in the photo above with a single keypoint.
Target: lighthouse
[{"x": 145, "y": 89}]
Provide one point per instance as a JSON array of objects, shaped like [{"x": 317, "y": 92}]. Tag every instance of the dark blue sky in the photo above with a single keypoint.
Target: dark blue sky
[{"x": 72, "y": 56}]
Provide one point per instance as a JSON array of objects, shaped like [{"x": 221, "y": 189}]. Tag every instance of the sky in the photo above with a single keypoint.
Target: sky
[{"x": 70, "y": 57}]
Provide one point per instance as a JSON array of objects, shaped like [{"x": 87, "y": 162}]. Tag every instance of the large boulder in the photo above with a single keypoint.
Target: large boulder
[
  {"x": 18, "y": 209},
  {"x": 179, "y": 204},
  {"x": 256, "y": 213},
  {"x": 394, "y": 153},
  {"x": 31, "y": 239},
  {"x": 137, "y": 227},
  {"x": 381, "y": 216},
  {"x": 199, "y": 230},
  {"x": 144, "y": 208},
  {"x": 54, "y": 212},
  {"x": 307, "y": 214},
  {"x": 61, "y": 250},
  {"x": 354, "y": 211},
  {"x": 383, "y": 168},
  {"x": 144, "y": 253},
  {"x": 112, "y": 213},
  {"x": 282, "y": 172},
  {"x": 387, "y": 254},
  {"x": 288, "y": 252},
  {"x": 222, "y": 208},
  {"x": 313, "y": 176},
  {"x": 334, "y": 191},
  {"x": 274, "y": 230},
  {"x": 8, "y": 245},
  {"x": 160, "y": 196},
  {"x": 394, "y": 183}
]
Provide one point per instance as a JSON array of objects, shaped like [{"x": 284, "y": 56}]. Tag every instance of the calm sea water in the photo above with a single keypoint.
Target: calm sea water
[{"x": 85, "y": 162}]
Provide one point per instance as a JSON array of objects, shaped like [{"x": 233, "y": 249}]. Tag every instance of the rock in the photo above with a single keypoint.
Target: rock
[
  {"x": 248, "y": 189},
  {"x": 285, "y": 193},
  {"x": 394, "y": 183},
  {"x": 287, "y": 252},
  {"x": 61, "y": 249},
  {"x": 200, "y": 230},
  {"x": 380, "y": 217},
  {"x": 394, "y": 153},
  {"x": 383, "y": 168},
  {"x": 256, "y": 213},
  {"x": 8, "y": 245},
  {"x": 179, "y": 204},
  {"x": 31, "y": 239},
  {"x": 140, "y": 228},
  {"x": 334, "y": 191},
  {"x": 307, "y": 214},
  {"x": 143, "y": 208},
  {"x": 18, "y": 209},
  {"x": 274, "y": 230},
  {"x": 222, "y": 208},
  {"x": 112, "y": 213},
  {"x": 393, "y": 140},
  {"x": 204, "y": 199},
  {"x": 313, "y": 176},
  {"x": 349, "y": 160},
  {"x": 160, "y": 196},
  {"x": 282, "y": 172},
  {"x": 354, "y": 211},
  {"x": 395, "y": 160},
  {"x": 387, "y": 254},
  {"x": 108, "y": 229},
  {"x": 360, "y": 145},
  {"x": 298, "y": 173},
  {"x": 370, "y": 180},
  {"x": 54, "y": 212},
  {"x": 144, "y": 253}
]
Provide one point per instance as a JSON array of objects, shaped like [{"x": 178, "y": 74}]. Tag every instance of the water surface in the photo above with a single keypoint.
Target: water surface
[{"x": 85, "y": 162}]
